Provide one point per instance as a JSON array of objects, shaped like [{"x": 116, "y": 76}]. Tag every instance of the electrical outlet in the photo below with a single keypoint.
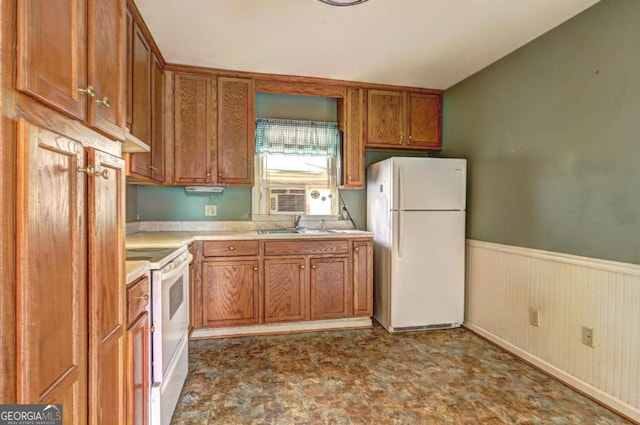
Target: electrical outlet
[
  {"x": 210, "y": 210},
  {"x": 587, "y": 336},
  {"x": 534, "y": 317}
]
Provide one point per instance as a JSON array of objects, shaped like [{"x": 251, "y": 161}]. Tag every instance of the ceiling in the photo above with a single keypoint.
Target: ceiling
[{"x": 421, "y": 43}]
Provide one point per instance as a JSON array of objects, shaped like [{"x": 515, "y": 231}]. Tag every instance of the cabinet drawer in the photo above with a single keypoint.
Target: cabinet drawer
[
  {"x": 230, "y": 248},
  {"x": 138, "y": 296},
  {"x": 306, "y": 247}
]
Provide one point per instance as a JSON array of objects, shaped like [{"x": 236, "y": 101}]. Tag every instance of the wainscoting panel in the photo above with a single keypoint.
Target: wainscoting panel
[{"x": 505, "y": 283}]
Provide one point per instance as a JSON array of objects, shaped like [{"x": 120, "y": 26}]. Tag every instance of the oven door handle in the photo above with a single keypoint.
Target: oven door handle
[{"x": 178, "y": 270}]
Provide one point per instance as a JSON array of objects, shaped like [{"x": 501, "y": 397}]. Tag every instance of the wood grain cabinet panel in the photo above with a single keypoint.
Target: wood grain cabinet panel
[
  {"x": 330, "y": 288},
  {"x": 230, "y": 292},
  {"x": 403, "y": 120},
  {"x": 236, "y": 141},
  {"x": 107, "y": 66},
  {"x": 157, "y": 161},
  {"x": 285, "y": 290},
  {"x": 194, "y": 126},
  {"x": 106, "y": 290},
  {"x": 385, "y": 117},
  {"x": 362, "y": 271},
  {"x": 424, "y": 120},
  {"x": 351, "y": 113},
  {"x": 52, "y": 53},
  {"x": 138, "y": 367},
  {"x": 51, "y": 282},
  {"x": 70, "y": 294},
  {"x": 71, "y": 58},
  {"x": 230, "y": 248}
]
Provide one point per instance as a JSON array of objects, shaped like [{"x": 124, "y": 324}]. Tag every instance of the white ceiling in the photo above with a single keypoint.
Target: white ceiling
[{"x": 421, "y": 43}]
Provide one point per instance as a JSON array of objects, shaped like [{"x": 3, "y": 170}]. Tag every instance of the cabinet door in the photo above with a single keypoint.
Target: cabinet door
[
  {"x": 285, "y": 290},
  {"x": 385, "y": 118},
  {"x": 138, "y": 371},
  {"x": 52, "y": 53},
  {"x": 51, "y": 274},
  {"x": 194, "y": 126},
  {"x": 140, "y": 57},
  {"x": 424, "y": 120},
  {"x": 106, "y": 289},
  {"x": 235, "y": 131},
  {"x": 362, "y": 278},
  {"x": 230, "y": 292},
  {"x": 157, "y": 122},
  {"x": 353, "y": 149},
  {"x": 330, "y": 288},
  {"x": 107, "y": 66}
]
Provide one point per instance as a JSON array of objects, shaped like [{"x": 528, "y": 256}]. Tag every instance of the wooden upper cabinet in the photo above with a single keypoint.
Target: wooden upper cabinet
[
  {"x": 157, "y": 122},
  {"x": 52, "y": 53},
  {"x": 406, "y": 120},
  {"x": 195, "y": 127},
  {"x": 70, "y": 56},
  {"x": 236, "y": 141},
  {"x": 141, "y": 62},
  {"x": 107, "y": 66},
  {"x": 385, "y": 117},
  {"x": 351, "y": 112},
  {"x": 424, "y": 120}
]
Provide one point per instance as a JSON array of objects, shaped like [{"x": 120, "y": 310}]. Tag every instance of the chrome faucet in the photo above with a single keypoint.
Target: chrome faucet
[
  {"x": 324, "y": 224},
  {"x": 296, "y": 220}
]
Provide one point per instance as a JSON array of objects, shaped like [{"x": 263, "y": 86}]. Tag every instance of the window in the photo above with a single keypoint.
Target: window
[{"x": 295, "y": 167}]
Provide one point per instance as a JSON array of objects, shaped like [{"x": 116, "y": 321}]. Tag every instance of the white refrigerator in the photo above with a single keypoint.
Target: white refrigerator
[{"x": 416, "y": 210}]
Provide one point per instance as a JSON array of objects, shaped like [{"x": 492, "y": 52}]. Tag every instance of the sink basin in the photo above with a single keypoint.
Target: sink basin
[
  {"x": 277, "y": 231},
  {"x": 316, "y": 231}
]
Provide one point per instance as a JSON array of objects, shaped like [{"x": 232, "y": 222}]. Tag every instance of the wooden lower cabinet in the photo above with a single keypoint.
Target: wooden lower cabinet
[
  {"x": 362, "y": 271},
  {"x": 138, "y": 359},
  {"x": 230, "y": 292},
  {"x": 69, "y": 288},
  {"x": 330, "y": 288},
  {"x": 285, "y": 290},
  {"x": 248, "y": 282}
]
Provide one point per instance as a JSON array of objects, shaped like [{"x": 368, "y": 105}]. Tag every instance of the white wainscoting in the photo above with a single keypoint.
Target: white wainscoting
[{"x": 505, "y": 282}]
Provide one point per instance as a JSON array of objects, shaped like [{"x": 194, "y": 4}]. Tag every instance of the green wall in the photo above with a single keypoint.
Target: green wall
[{"x": 552, "y": 137}]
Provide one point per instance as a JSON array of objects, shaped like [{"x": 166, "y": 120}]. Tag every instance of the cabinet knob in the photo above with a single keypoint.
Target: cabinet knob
[
  {"x": 145, "y": 297},
  {"x": 355, "y": 249},
  {"x": 105, "y": 102},
  {"x": 255, "y": 269},
  {"x": 89, "y": 91},
  {"x": 231, "y": 248},
  {"x": 401, "y": 137},
  {"x": 152, "y": 328},
  {"x": 104, "y": 174},
  {"x": 410, "y": 138},
  {"x": 88, "y": 169},
  {"x": 220, "y": 174},
  {"x": 349, "y": 177},
  {"x": 302, "y": 267},
  {"x": 152, "y": 167},
  {"x": 313, "y": 267},
  {"x": 208, "y": 174}
]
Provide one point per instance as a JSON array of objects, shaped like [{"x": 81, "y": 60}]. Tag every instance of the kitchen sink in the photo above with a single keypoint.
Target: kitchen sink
[{"x": 277, "y": 231}]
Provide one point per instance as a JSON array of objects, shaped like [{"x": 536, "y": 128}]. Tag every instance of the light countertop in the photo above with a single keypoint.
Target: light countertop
[{"x": 135, "y": 269}]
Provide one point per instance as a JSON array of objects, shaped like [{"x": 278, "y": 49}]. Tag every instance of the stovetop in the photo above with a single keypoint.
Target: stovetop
[{"x": 158, "y": 257}]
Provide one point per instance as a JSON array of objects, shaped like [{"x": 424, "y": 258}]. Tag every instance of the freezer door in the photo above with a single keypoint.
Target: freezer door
[
  {"x": 429, "y": 184},
  {"x": 427, "y": 268}
]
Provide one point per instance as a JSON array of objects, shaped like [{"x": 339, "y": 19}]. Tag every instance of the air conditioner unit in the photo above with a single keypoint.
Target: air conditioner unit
[{"x": 287, "y": 201}]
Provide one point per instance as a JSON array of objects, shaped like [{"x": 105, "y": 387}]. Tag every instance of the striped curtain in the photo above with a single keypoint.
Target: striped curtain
[{"x": 293, "y": 137}]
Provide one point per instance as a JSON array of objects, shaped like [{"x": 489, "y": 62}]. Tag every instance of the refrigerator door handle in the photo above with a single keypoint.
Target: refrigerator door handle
[
  {"x": 399, "y": 233},
  {"x": 398, "y": 188}
]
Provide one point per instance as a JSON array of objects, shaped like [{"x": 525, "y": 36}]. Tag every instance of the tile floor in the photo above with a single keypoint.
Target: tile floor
[{"x": 372, "y": 377}]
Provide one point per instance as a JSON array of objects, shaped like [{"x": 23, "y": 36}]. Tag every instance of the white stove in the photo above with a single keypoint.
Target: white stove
[{"x": 170, "y": 319}]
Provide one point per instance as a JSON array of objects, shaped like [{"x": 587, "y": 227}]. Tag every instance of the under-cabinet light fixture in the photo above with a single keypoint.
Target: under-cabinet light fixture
[{"x": 203, "y": 189}]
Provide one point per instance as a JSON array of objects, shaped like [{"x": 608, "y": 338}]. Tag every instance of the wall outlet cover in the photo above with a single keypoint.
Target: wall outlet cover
[
  {"x": 587, "y": 336},
  {"x": 534, "y": 317},
  {"x": 210, "y": 210}
]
